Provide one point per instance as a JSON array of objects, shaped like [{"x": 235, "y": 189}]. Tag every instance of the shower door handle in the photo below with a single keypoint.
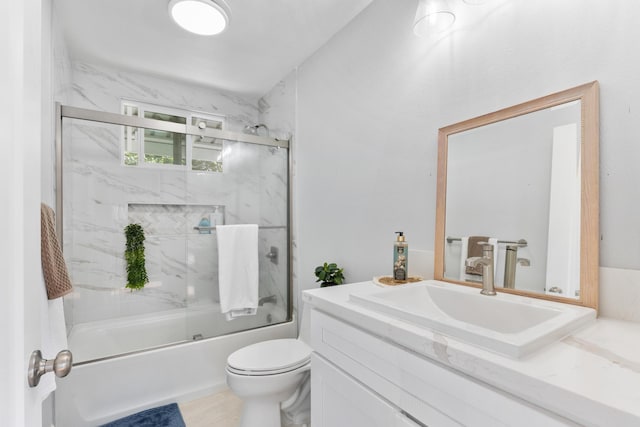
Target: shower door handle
[{"x": 38, "y": 366}]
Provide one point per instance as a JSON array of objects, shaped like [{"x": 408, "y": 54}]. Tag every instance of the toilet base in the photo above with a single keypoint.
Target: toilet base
[
  {"x": 261, "y": 412},
  {"x": 262, "y": 395}
]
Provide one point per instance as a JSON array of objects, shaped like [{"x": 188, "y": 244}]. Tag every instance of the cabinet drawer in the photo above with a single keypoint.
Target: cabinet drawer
[
  {"x": 339, "y": 400},
  {"x": 430, "y": 392}
]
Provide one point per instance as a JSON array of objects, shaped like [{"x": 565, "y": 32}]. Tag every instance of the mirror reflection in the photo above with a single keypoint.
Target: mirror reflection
[
  {"x": 515, "y": 184},
  {"x": 517, "y": 200}
]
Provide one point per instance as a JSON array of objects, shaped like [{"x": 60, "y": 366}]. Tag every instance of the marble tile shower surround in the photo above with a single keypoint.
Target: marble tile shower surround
[
  {"x": 98, "y": 191},
  {"x": 99, "y": 194},
  {"x": 278, "y": 111},
  {"x": 100, "y": 87},
  {"x": 179, "y": 257},
  {"x": 277, "y": 108}
]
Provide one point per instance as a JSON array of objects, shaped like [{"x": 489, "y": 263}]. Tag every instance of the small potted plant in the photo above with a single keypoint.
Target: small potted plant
[{"x": 329, "y": 274}]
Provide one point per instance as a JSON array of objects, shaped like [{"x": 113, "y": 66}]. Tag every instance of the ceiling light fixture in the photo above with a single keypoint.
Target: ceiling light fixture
[
  {"x": 203, "y": 17},
  {"x": 432, "y": 16}
]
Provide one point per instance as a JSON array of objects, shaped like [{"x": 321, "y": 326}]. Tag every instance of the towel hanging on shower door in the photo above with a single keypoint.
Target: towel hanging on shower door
[{"x": 238, "y": 269}]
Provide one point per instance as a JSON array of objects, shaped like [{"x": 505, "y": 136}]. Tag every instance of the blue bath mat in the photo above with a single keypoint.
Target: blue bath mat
[{"x": 164, "y": 416}]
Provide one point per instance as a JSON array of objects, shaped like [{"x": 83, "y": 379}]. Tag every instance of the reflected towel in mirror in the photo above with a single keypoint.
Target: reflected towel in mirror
[
  {"x": 474, "y": 250},
  {"x": 465, "y": 253}
]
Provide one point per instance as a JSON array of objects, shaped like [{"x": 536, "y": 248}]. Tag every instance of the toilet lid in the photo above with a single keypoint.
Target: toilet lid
[{"x": 270, "y": 356}]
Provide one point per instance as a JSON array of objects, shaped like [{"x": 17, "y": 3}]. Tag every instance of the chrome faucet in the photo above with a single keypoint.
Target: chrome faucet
[{"x": 486, "y": 260}]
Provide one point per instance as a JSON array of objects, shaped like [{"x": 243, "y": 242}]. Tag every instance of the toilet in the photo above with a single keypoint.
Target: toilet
[{"x": 268, "y": 373}]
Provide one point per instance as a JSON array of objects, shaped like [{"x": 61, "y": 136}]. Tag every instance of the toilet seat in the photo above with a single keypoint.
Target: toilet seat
[{"x": 269, "y": 357}]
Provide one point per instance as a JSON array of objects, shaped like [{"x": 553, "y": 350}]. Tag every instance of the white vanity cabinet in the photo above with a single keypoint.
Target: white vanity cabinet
[
  {"x": 340, "y": 400},
  {"x": 359, "y": 379}
]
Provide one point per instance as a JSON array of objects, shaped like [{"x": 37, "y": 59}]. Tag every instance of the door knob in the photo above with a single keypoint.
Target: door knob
[{"x": 61, "y": 366}]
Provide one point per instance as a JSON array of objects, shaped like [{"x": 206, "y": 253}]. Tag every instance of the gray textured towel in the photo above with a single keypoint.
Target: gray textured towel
[
  {"x": 54, "y": 269},
  {"x": 475, "y": 250}
]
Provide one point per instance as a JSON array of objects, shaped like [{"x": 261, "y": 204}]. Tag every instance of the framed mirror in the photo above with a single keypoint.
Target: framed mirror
[{"x": 525, "y": 180}]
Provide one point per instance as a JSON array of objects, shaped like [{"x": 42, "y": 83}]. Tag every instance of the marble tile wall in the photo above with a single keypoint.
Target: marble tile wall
[
  {"x": 278, "y": 111},
  {"x": 101, "y": 196},
  {"x": 61, "y": 91},
  {"x": 101, "y": 87}
]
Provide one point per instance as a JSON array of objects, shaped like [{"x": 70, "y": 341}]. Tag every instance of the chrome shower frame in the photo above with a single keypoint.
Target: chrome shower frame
[{"x": 65, "y": 111}]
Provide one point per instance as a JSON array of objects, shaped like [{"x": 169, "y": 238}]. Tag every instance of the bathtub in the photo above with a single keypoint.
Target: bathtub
[{"x": 96, "y": 392}]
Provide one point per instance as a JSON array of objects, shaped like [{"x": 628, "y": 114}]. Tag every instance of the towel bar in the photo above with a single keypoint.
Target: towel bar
[
  {"x": 213, "y": 227},
  {"x": 522, "y": 242}
]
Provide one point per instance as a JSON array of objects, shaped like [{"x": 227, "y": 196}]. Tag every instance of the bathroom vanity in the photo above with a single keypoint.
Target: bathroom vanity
[
  {"x": 437, "y": 353},
  {"x": 371, "y": 368}
]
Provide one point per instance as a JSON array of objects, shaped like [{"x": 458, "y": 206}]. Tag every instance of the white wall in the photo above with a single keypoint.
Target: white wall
[
  {"x": 371, "y": 100},
  {"x": 23, "y": 92}
]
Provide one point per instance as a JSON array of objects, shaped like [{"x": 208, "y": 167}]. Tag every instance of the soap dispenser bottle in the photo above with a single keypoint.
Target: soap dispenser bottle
[
  {"x": 400, "y": 258},
  {"x": 218, "y": 215}
]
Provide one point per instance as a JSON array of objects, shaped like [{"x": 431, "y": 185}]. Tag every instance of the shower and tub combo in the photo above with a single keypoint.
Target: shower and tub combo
[{"x": 178, "y": 174}]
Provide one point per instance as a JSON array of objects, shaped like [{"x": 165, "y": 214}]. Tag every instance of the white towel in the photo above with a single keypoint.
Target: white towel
[
  {"x": 238, "y": 269},
  {"x": 498, "y": 275},
  {"x": 464, "y": 250}
]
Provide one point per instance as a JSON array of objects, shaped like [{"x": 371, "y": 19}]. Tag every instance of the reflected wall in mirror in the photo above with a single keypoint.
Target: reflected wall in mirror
[{"x": 525, "y": 180}]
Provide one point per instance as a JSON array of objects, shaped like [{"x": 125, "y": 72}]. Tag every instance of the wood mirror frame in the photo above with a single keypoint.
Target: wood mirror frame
[{"x": 588, "y": 94}]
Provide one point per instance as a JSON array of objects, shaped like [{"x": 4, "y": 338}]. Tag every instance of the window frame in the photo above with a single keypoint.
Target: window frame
[{"x": 189, "y": 115}]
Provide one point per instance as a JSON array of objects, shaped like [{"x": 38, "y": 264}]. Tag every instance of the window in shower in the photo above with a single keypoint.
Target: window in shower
[
  {"x": 159, "y": 148},
  {"x": 206, "y": 152}
]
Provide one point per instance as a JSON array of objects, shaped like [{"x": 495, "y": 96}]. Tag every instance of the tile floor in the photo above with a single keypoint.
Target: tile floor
[{"x": 217, "y": 410}]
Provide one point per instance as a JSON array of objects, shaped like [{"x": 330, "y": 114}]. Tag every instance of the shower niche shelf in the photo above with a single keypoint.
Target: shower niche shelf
[{"x": 176, "y": 219}]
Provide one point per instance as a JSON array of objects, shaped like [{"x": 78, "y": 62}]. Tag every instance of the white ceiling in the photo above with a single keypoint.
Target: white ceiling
[{"x": 264, "y": 42}]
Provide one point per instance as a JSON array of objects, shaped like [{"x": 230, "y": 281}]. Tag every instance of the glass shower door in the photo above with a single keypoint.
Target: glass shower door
[
  {"x": 253, "y": 189},
  {"x": 102, "y": 195},
  {"x": 177, "y": 188}
]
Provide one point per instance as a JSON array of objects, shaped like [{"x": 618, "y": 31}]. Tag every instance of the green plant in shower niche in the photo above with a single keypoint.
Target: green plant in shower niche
[
  {"x": 329, "y": 274},
  {"x": 134, "y": 255}
]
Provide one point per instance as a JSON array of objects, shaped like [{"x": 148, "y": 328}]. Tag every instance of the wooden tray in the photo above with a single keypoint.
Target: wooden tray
[{"x": 390, "y": 281}]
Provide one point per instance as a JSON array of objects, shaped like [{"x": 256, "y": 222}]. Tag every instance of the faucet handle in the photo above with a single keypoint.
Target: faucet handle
[{"x": 486, "y": 246}]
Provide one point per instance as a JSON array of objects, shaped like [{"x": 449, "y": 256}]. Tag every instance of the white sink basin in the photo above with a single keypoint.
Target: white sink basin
[{"x": 511, "y": 325}]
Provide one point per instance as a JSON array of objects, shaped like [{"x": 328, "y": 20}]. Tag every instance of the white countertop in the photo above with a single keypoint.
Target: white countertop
[{"x": 591, "y": 377}]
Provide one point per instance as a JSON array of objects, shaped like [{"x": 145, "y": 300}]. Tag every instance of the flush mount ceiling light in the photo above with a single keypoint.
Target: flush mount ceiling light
[
  {"x": 432, "y": 16},
  {"x": 203, "y": 17}
]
